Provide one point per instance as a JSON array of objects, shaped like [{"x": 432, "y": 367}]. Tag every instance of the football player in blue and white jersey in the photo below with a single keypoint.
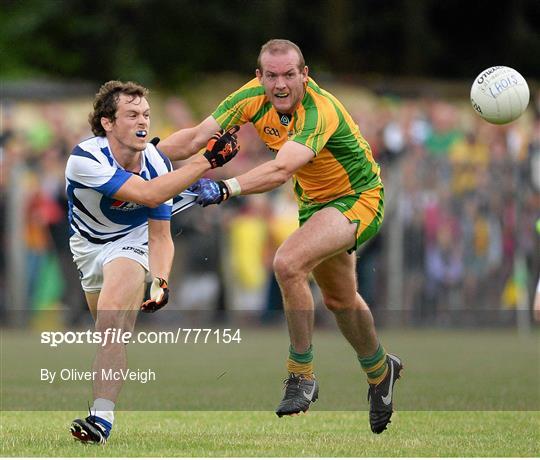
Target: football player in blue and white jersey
[{"x": 120, "y": 190}]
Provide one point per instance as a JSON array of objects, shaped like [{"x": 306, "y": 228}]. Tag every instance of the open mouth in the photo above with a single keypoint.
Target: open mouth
[
  {"x": 281, "y": 95},
  {"x": 141, "y": 133}
]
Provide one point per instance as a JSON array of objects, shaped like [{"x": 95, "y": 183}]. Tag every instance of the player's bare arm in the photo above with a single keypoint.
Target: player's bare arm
[
  {"x": 270, "y": 175},
  {"x": 160, "y": 248},
  {"x": 153, "y": 192},
  {"x": 220, "y": 149},
  {"x": 160, "y": 257},
  {"x": 186, "y": 142}
]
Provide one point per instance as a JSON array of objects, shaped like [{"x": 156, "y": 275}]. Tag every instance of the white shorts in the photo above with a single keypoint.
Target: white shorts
[{"x": 90, "y": 258}]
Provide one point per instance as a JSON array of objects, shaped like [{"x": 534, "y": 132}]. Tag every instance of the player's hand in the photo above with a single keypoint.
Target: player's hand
[
  {"x": 222, "y": 147},
  {"x": 159, "y": 296},
  {"x": 209, "y": 191}
]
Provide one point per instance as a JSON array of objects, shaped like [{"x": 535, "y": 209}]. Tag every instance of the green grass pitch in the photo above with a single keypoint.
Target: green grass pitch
[
  {"x": 234, "y": 434},
  {"x": 463, "y": 393}
]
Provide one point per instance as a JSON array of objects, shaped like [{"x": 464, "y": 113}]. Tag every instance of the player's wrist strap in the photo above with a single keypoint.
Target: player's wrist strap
[{"x": 233, "y": 186}]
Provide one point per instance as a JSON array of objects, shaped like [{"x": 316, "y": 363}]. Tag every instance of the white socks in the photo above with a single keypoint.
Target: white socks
[{"x": 103, "y": 408}]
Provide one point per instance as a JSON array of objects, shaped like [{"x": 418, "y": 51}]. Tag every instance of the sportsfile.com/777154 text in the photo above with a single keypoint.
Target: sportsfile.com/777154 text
[{"x": 113, "y": 335}]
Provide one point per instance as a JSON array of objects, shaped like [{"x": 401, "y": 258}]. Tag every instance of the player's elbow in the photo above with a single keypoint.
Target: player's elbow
[
  {"x": 280, "y": 174},
  {"x": 153, "y": 203},
  {"x": 149, "y": 199},
  {"x": 146, "y": 193}
]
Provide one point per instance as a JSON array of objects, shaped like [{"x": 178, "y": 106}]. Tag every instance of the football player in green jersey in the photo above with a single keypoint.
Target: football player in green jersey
[{"x": 340, "y": 198}]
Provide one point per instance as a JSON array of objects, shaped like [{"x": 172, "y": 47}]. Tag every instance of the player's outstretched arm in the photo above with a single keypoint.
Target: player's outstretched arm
[
  {"x": 160, "y": 189},
  {"x": 270, "y": 175},
  {"x": 186, "y": 142},
  {"x": 220, "y": 149},
  {"x": 291, "y": 157}
]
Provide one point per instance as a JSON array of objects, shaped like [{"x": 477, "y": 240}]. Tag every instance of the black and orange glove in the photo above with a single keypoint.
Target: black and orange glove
[
  {"x": 222, "y": 147},
  {"x": 159, "y": 296}
]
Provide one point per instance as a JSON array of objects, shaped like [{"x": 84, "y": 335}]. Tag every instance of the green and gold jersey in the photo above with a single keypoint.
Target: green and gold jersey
[{"x": 343, "y": 163}]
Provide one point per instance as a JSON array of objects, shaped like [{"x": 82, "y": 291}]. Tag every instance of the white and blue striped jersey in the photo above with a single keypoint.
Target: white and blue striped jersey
[{"x": 92, "y": 178}]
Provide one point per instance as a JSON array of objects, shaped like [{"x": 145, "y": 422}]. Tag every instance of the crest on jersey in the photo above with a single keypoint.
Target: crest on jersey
[
  {"x": 284, "y": 119},
  {"x": 119, "y": 205}
]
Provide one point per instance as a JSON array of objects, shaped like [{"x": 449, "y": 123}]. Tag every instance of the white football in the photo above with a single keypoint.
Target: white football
[{"x": 499, "y": 94}]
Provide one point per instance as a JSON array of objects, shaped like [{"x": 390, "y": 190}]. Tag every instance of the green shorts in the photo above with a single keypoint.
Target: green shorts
[{"x": 365, "y": 209}]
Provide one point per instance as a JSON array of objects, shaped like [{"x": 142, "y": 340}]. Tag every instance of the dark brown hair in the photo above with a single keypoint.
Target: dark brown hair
[
  {"x": 281, "y": 46},
  {"x": 106, "y": 102}
]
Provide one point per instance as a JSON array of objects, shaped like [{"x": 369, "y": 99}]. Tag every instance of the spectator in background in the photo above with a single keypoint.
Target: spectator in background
[
  {"x": 43, "y": 213},
  {"x": 248, "y": 234},
  {"x": 444, "y": 271},
  {"x": 444, "y": 133},
  {"x": 468, "y": 157},
  {"x": 411, "y": 209},
  {"x": 178, "y": 116}
]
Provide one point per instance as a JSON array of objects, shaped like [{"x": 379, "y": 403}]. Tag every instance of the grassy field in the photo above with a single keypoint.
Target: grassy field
[
  {"x": 233, "y": 434},
  {"x": 464, "y": 393},
  {"x": 444, "y": 370}
]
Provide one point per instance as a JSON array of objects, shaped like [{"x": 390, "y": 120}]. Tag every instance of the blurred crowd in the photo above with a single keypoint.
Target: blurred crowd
[{"x": 463, "y": 198}]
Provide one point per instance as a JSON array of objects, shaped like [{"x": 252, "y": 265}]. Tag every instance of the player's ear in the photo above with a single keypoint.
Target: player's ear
[
  {"x": 258, "y": 74},
  {"x": 305, "y": 72},
  {"x": 107, "y": 124}
]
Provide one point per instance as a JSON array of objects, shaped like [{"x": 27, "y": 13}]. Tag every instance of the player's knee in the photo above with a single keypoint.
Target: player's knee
[
  {"x": 286, "y": 267},
  {"x": 109, "y": 319},
  {"x": 335, "y": 302}
]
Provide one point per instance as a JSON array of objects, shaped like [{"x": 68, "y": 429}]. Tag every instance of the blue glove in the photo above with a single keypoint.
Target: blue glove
[{"x": 209, "y": 191}]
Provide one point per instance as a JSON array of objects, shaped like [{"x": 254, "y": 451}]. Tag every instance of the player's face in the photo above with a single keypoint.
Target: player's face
[
  {"x": 132, "y": 117},
  {"x": 283, "y": 81}
]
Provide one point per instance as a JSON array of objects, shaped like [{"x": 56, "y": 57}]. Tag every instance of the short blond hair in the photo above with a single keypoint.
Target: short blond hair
[{"x": 281, "y": 46}]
